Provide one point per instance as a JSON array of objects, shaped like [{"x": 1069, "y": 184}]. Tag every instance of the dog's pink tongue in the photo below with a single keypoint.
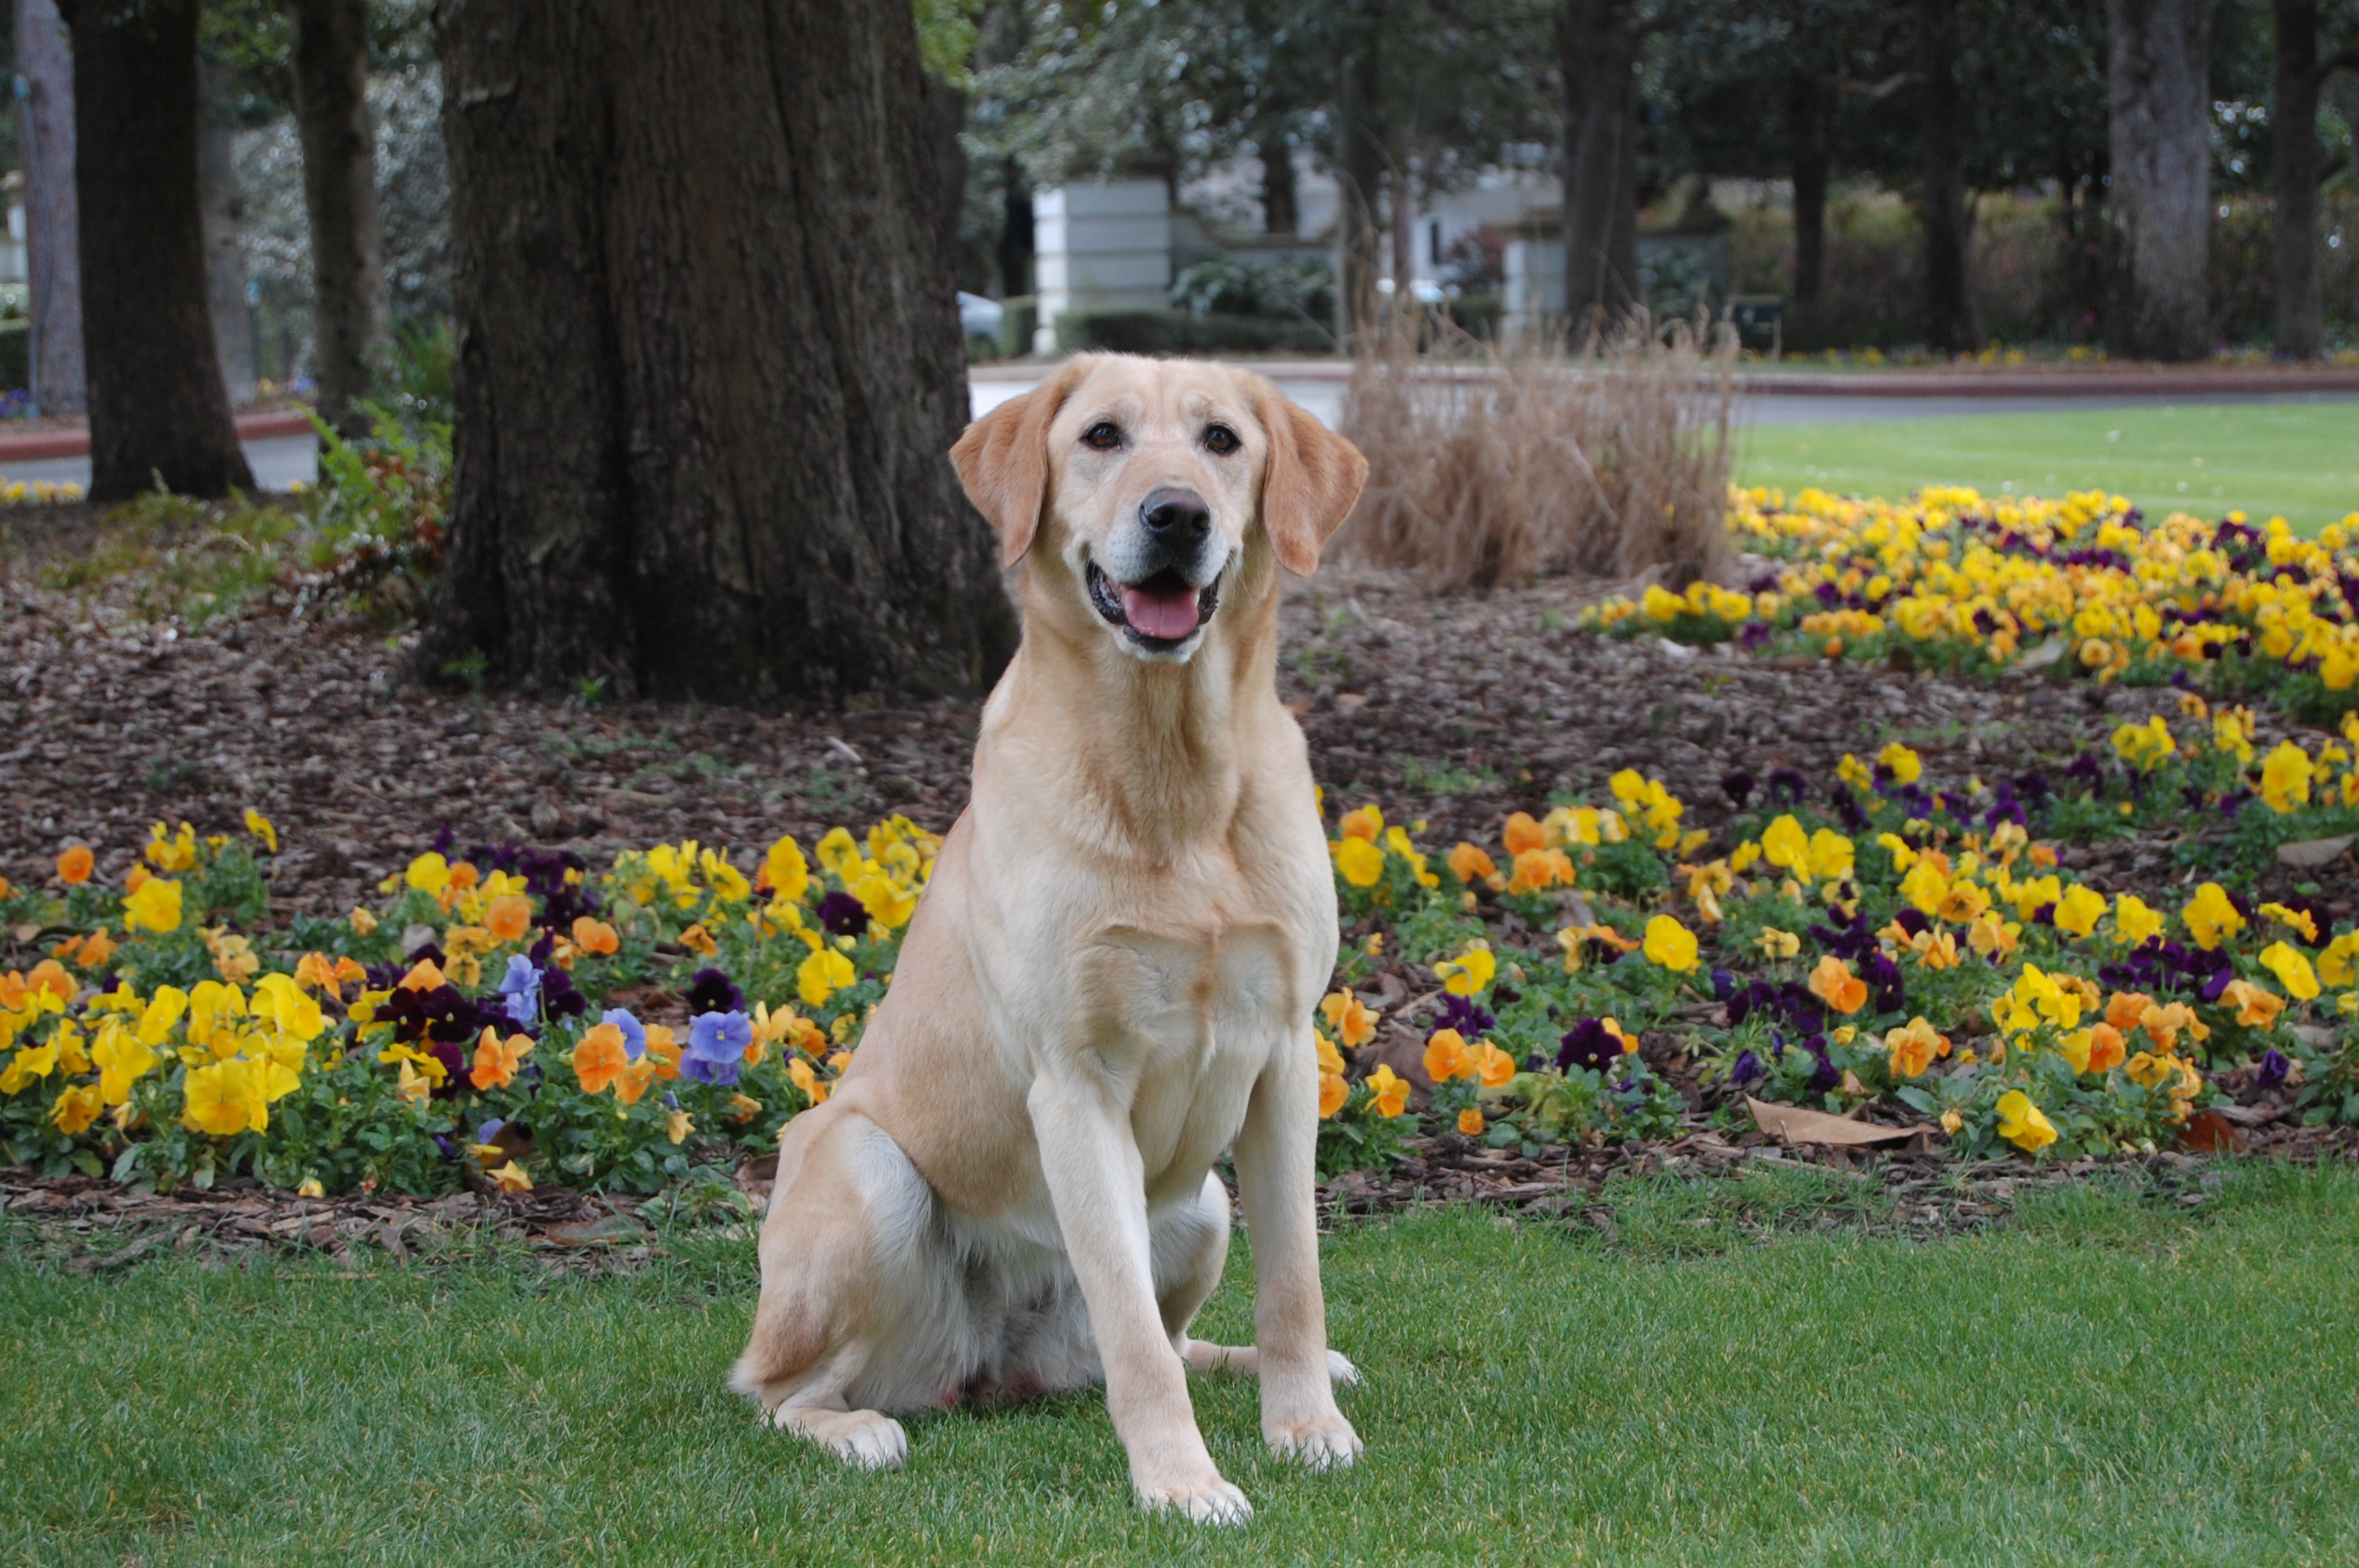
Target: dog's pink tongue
[{"x": 1169, "y": 614}]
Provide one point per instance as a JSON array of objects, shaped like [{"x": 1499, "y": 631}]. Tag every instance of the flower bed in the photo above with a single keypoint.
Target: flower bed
[
  {"x": 1919, "y": 951},
  {"x": 1954, "y": 582}
]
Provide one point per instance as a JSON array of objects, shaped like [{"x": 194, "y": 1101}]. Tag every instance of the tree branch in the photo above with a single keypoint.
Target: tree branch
[{"x": 1879, "y": 90}]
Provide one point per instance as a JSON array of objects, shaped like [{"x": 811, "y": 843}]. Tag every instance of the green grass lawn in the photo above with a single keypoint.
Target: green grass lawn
[
  {"x": 2109, "y": 1379},
  {"x": 2301, "y": 460}
]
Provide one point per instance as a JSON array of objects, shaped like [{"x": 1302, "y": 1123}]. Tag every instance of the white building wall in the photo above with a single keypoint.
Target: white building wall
[{"x": 1100, "y": 247}]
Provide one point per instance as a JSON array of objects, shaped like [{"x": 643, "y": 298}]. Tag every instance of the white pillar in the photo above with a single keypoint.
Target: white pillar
[
  {"x": 53, "y": 243},
  {"x": 1100, "y": 247}
]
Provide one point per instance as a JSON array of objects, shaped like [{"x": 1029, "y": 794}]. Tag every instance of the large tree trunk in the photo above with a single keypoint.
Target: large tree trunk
[
  {"x": 946, "y": 109},
  {"x": 708, "y": 364},
  {"x": 327, "y": 43},
  {"x": 1949, "y": 324},
  {"x": 2158, "y": 65},
  {"x": 1360, "y": 171},
  {"x": 1598, "y": 52},
  {"x": 52, "y": 221},
  {"x": 157, "y": 407},
  {"x": 2294, "y": 168},
  {"x": 1807, "y": 127},
  {"x": 223, "y": 205}
]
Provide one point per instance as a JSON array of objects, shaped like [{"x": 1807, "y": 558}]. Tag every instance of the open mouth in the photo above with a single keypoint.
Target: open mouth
[{"x": 1157, "y": 614}]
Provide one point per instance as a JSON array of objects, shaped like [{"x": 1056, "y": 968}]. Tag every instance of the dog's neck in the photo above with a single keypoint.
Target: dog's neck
[{"x": 1143, "y": 757}]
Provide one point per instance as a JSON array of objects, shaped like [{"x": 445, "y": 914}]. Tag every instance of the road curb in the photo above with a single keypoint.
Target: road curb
[
  {"x": 2128, "y": 381},
  {"x": 76, "y": 443}
]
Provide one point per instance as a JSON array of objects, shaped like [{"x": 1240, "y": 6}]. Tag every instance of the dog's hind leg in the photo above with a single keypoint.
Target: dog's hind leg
[
  {"x": 848, "y": 1283},
  {"x": 1191, "y": 1247}
]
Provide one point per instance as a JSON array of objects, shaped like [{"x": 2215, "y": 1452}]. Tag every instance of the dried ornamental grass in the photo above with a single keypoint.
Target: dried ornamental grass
[{"x": 1611, "y": 463}]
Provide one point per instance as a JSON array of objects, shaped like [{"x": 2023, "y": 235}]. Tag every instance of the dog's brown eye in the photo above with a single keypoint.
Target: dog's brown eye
[
  {"x": 1220, "y": 440},
  {"x": 1105, "y": 435}
]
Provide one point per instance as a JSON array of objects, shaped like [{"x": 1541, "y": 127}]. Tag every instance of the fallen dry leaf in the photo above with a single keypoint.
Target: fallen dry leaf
[
  {"x": 1792, "y": 1124},
  {"x": 2310, "y": 854}
]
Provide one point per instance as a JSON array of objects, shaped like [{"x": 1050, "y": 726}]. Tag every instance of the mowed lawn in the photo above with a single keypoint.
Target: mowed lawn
[
  {"x": 2110, "y": 1379},
  {"x": 2299, "y": 461}
]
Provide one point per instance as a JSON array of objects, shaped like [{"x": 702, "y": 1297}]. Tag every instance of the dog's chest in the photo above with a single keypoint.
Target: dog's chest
[
  {"x": 1161, "y": 1000},
  {"x": 1185, "y": 1022}
]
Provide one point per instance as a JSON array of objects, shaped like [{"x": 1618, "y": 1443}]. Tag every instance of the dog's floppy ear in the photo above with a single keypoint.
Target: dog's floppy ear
[
  {"x": 1314, "y": 476},
  {"x": 1002, "y": 461}
]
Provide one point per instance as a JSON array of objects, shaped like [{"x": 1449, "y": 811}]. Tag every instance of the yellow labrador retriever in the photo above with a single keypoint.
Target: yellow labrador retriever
[{"x": 1110, "y": 980}]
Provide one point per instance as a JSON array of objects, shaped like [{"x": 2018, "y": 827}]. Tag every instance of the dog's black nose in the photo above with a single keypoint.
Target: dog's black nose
[{"x": 1175, "y": 515}]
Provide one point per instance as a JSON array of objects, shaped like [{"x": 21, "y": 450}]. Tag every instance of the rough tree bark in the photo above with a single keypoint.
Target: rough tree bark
[
  {"x": 2158, "y": 68},
  {"x": 223, "y": 205},
  {"x": 946, "y": 110},
  {"x": 328, "y": 44},
  {"x": 2297, "y": 163},
  {"x": 1806, "y": 122},
  {"x": 1597, "y": 49},
  {"x": 709, "y": 367},
  {"x": 157, "y": 407},
  {"x": 1359, "y": 172},
  {"x": 1949, "y": 324},
  {"x": 52, "y": 221}
]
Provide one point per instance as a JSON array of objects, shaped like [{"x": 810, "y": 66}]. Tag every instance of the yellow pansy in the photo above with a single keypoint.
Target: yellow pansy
[
  {"x": 1469, "y": 974},
  {"x": 155, "y": 905},
  {"x": 1670, "y": 944}
]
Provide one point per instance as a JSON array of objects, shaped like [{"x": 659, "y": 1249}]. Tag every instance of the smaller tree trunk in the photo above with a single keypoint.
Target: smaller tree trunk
[
  {"x": 1360, "y": 160},
  {"x": 1949, "y": 324},
  {"x": 328, "y": 42},
  {"x": 1401, "y": 208},
  {"x": 52, "y": 215},
  {"x": 1281, "y": 209},
  {"x": 1805, "y": 125},
  {"x": 948, "y": 106},
  {"x": 1598, "y": 52},
  {"x": 157, "y": 410},
  {"x": 2294, "y": 170},
  {"x": 1015, "y": 235},
  {"x": 224, "y": 207},
  {"x": 2159, "y": 56}
]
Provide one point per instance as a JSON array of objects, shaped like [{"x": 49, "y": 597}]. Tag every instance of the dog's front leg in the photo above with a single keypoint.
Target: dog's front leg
[
  {"x": 1098, "y": 1185},
  {"x": 1278, "y": 1181}
]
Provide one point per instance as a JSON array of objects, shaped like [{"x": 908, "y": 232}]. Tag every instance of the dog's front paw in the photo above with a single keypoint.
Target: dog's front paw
[
  {"x": 1209, "y": 1501},
  {"x": 868, "y": 1440},
  {"x": 1323, "y": 1443}
]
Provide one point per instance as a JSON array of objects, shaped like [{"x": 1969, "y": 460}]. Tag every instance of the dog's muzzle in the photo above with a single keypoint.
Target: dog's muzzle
[{"x": 1164, "y": 608}]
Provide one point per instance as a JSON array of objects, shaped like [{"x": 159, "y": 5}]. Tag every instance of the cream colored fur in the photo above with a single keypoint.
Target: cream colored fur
[{"x": 1108, "y": 983}]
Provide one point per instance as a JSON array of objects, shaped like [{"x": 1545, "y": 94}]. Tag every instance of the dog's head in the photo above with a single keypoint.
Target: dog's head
[{"x": 1155, "y": 485}]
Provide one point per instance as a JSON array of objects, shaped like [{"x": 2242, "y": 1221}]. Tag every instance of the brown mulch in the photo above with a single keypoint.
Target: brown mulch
[
  {"x": 92, "y": 1227},
  {"x": 1456, "y": 711}
]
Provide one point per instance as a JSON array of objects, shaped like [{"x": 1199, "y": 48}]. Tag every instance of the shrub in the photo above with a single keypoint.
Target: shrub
[
  {"x": 1612, "y": 463},
  {"x": 1177, "y": 331}
]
